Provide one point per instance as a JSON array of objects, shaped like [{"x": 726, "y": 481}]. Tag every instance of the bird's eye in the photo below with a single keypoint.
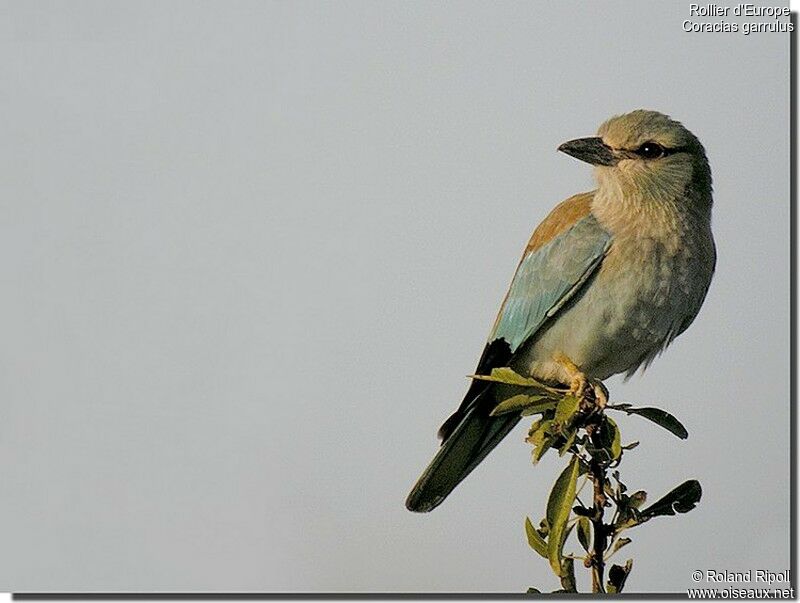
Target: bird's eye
[{"x": 650, "y": 150}]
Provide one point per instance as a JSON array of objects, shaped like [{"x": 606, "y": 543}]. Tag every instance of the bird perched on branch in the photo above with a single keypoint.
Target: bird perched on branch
[{"x": 606, "y": 282}]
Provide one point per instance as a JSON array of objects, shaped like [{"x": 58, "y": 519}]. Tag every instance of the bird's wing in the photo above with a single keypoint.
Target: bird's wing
[
  {"x": 553, "y": 269},
  {"x": 547, "y": 278},
  {"x": 563, "y": 253}
]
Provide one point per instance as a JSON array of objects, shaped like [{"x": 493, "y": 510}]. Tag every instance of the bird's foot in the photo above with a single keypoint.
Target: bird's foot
[
  {"x": 592, "y": 392},
  {"x": 600, "y": 393}
]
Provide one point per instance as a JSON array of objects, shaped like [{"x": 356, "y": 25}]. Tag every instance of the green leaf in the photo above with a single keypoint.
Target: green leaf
[
  {"x": 541, "y": 438},
  {"x": 637, "y": 499},
  {"x": 567, "y": 407},
  {"x": 610, "y": 439},
  {"x": 522, "y": 403},
  {"x": 537, "y": 543},
  {"x": 568, "y": 443},
  {"x": 544, "y": 407},
  {"x": 534, "y": 591},
  {"x": 568, "y": 575},
  {"x": 682, "y": 499},
  {"x": 657, "y": 416},
  {"x": 540, "y": 450},
  {"x": 617, "y": 576},
  {"x": 559, "y": 505},
  {"x": 538, "y": 431},
  {"x": 584, "y": 533},
  {"x": 510, "y": 377},
  {"x": 621, "y": 542}
]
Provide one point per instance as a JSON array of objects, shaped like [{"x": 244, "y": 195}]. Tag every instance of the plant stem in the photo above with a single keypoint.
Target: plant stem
[
  {"x": 598, "y": 527},
  {"x": 597, "y": 470}
]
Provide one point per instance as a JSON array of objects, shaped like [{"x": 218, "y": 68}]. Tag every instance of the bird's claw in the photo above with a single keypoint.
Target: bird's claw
[
  {"x": 592, "y": 392},
  {"x": 600, "y": 393}
]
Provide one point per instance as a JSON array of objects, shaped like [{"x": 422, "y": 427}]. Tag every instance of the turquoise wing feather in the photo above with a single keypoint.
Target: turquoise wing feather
[{"x": 548, "y": 278}]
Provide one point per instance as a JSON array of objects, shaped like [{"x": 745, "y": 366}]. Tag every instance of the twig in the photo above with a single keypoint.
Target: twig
[{"x": 598, "y": 472}]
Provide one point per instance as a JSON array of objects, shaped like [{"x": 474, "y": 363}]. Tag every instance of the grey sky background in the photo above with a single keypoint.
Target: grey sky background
[{"x": 251, "y": 249}]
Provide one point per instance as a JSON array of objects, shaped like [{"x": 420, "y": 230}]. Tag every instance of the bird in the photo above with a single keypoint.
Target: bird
[{"x": 606, "y": 282}]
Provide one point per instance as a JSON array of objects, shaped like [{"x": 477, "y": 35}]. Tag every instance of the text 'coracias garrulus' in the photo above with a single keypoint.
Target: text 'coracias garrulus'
[{"x": 606, "y": 282}]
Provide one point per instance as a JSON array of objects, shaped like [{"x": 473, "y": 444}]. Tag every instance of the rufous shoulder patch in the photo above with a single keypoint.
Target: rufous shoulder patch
[{"x": 564, "y": 215}]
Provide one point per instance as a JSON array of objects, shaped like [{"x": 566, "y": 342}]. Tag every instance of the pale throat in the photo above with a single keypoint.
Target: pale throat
[{"x": 639, "y": 208}]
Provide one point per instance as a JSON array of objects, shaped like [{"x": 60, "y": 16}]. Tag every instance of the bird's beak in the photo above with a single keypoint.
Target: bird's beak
[{"x": 591, "y": 150}]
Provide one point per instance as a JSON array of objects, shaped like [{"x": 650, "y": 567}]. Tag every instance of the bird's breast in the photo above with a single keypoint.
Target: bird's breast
[{"x": 644, "y": 290}]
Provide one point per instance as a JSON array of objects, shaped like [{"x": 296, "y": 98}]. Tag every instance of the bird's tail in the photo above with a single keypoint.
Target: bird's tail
[{"x": 475, "y": 435}]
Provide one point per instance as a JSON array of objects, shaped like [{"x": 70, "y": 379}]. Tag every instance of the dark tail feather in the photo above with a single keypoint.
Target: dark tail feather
[{"x": 472, "y": 439}]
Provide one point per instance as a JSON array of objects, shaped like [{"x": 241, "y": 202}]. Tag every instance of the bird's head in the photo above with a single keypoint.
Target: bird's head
[{"x": 645, "y": 152}]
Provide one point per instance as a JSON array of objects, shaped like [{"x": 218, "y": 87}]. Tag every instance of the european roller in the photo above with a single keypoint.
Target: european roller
[{"x": 607, "y": 281}]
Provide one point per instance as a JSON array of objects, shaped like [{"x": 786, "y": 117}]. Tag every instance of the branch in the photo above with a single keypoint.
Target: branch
[{"x": 600, "y": 537}]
